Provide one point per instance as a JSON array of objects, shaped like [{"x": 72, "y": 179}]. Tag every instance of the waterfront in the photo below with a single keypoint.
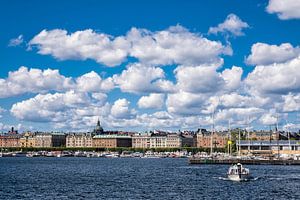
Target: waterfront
[{"x": 131, "y": 178}]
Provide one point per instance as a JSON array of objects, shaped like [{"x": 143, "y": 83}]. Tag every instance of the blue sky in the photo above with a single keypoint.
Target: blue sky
[{"x": 149, "y": 65}]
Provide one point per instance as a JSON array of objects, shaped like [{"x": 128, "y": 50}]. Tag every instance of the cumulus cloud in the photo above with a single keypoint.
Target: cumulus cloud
[
  {"x": 92, "y": 82},
  {"x": 138, "y": 78},
  {"x": 275, "y": 79},
  {"x": 291, "y": 103},
  {"x": 35, "y": 80},
  {"x": 265, "y": 54},
  {"x": 200, "y": 79},
  {"x": 268, "y": 119},
  {"x": 82, "y": 45},
  {"x": 70, "y": 110},
  {"x": 48, "y": 107},
  {"x": 206, "y": 79},
  {"x": 185, "y": 103},
  {"x": 26, "y": 80},
  {"x": 120, "y": 109},
  {"x": 174, "y": 45},
  {"x": 16, "y": 41},
  {"x": 285, "y": 9},
  {"x": 232, "y": 24},
  {"x": 232, "y": 78},
  {"x": 154, "y": 101},
  {"x": 238, "y": 116}
]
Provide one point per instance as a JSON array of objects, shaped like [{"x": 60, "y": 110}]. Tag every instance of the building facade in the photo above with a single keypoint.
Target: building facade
[
  {"x": 27, "y": 140},
  {"x": 171, "y": 140},
  {"x": 79, "y": 140},
  {"x": 44, "y": 140},
  {"x": 112, "y": 141},
  {"x": 270, "y": 147},
  {"x": 10, "y": 140},
  {"x": 215, "y": 140}
]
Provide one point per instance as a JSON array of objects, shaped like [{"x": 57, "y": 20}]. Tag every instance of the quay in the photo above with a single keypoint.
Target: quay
[{"x": 193, "y": 160}]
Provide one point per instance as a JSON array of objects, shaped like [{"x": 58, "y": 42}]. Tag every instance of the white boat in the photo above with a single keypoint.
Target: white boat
[{"x": 238, "y": 173}]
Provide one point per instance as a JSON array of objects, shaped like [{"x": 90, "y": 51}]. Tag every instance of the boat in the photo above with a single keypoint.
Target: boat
[{"x": 238, "y": 173}]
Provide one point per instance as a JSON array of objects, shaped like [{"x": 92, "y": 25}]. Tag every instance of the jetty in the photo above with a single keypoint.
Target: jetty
[{"x": 193, "y": 160}]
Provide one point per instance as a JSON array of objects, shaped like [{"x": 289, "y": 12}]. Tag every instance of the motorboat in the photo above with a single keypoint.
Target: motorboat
[{"x": 237, "y": 172}]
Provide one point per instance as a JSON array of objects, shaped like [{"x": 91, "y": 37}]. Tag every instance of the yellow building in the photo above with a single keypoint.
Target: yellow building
[{"x": 27, "y": 140}]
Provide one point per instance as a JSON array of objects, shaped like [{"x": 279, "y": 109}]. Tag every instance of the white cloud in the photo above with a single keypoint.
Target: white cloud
[
  {"x": 232, "y": 78},
  {"x": 291, "y": 127},
  {"x": 49, "y": 107},
  {"x": 154, "y": 100},
  {"x": 200, "y": 79},
  {"x": 291, "y": 103},
  {"x": 238, "y": 116},
  {"x": 92, "y": 82},
  {"x": 275, "y": 79},
  {"x": 101, "y": 97},
  {"x": 206, "y": 79},
  {"x": 175, "y": 45},
  {"x": 16, "y": 41},
  {"x": 26, "y": 80},
  {"x": 265, "y": 54},
  {"x": 232, "y": 24},
  {"x": 236, "y": 100},
  {"x": 82, "y": 45},
  {"x": 285, "y": 9},
  {"x": 185, "y": 103},
  {"x": 268, "y": 119},
  {"x": 138, "y": 78},
  {"x": 34, "y": 81},
  {"x": 120, "y": 109}
]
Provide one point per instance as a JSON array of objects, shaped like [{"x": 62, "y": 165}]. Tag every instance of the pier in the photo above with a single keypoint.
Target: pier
[{"x": 243, "y": 161}]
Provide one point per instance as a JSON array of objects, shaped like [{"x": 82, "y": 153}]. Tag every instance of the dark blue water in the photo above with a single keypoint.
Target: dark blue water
[{"x": 121, "y": 178}]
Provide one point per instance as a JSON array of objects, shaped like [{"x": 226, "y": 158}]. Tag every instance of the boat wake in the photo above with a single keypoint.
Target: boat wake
[{"x": 227, "y": 179}]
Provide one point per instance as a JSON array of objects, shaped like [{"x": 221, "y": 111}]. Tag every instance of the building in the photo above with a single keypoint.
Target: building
[
  {"x": 162, "y": 140},
  {"x": 43, "y": 140},
  {"x": 10, "y": 139},
  {"x": 173, "y": 140},
  {"x": 207, "y": 139},
  {"x": 263, "y": 135},
  {"x": 270, "y": 147},
  {"x": 79, "y": 140},
  {"x": 112, "y": 141},
  {"x": 27, "y": 140}
]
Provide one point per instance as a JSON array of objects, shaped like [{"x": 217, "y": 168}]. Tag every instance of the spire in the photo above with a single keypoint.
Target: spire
[
  {"x": 98, "y": 130},
  {"x": 98, "y": 122}
]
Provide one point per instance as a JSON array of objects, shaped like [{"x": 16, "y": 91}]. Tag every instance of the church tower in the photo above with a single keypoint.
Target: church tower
[{"x": 98, "y": 130}]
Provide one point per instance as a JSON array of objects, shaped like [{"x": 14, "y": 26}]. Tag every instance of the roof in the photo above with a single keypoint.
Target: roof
[
  {"x": 268, "y": 143},
  {"x": 111, "y": 137}
]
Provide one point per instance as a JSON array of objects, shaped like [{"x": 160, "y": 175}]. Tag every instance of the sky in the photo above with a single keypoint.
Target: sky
[{"x": 149, "y": 65}]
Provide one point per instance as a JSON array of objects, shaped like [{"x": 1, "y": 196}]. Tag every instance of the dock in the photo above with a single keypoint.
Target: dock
[{"x": 243, "y": 161}]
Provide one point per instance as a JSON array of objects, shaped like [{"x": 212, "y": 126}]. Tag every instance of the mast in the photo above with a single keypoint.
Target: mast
[
  {"x": 229, "y": 143},
  {"x": 248, "y": 135},
  {"x": 212, "y": 132},
  {"x": 288, "y": 134},
  {"x": 277, "y": 135},
  {"x": 239, "y": 142}
]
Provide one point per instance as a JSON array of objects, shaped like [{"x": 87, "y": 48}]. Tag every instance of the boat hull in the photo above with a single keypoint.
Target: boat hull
[{"x": 238, "y": 178}]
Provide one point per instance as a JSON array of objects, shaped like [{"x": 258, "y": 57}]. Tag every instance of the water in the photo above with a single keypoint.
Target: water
[{"x": 125, "y": 178}]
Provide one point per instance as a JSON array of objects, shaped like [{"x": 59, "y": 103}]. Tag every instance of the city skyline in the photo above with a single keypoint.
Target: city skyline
[{"x": 65, "y": 65}]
